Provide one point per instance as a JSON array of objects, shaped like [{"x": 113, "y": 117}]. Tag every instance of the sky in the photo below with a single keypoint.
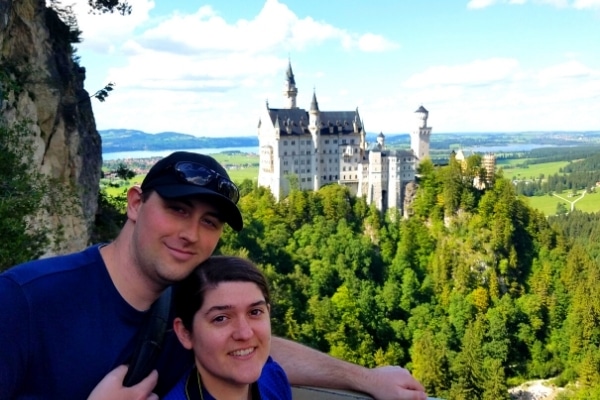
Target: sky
[{"x": 209, "y": 68}]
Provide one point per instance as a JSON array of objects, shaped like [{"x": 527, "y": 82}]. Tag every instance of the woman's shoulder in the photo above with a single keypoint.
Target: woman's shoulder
[{"x": 273, "y": 383}]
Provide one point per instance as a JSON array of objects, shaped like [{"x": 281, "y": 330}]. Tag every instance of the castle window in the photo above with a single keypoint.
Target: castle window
[
  {"x": 351, "y": 141},
  {"x": 285, "y": 142},
  {"x": 293, "y": 142},
  {"x": 285, "y": 153},
  {"x": 327, "y": 142},
  {"x": 335, "y": 141}
]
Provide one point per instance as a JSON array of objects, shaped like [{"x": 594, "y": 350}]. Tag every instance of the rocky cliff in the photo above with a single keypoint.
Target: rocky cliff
[{"x": 35, "y": 49}]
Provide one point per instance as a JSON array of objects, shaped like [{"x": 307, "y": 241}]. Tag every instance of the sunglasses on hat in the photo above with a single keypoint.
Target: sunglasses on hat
[{"x": 200, "y": 175}]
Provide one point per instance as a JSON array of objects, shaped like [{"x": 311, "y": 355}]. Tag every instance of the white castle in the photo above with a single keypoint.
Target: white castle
[{"x": 310, "y": 149}]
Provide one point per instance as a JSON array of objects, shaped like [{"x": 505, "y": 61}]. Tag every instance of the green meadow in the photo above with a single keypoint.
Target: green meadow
[
  {"x": 240, "y": 166},
  {"x": 547, "y": 204},
  {"x": 515, "y": 169}
]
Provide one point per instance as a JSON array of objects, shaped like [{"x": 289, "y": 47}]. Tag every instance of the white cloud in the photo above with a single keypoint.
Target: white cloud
[
  {"x": 100, "y": 32},
  {"x": 375, "y": 43},
  {"x": 577, "y": 4},
  {"x": 478, "y": 72},
  {"x": 479, "y": 4},
  {"x": 569, "y": 69},
  {"x": 585, "y": 4}
]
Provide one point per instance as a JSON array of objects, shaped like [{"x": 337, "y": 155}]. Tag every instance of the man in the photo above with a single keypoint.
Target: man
[{"x": 69, "y": 324}]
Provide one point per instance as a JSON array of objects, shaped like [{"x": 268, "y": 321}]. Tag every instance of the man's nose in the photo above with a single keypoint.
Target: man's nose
[{"x": 190, "y": 231}]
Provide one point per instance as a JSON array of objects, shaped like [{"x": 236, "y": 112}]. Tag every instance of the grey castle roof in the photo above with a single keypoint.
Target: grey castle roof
[
  {"x": 290, "y": 74},
  {"x": 297, "y": 119}
]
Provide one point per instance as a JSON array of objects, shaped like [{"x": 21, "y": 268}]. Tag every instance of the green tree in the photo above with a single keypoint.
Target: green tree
[{"x": 124, "y": 172}]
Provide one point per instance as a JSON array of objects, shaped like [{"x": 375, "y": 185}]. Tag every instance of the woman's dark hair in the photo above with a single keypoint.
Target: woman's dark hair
[{"x": 189, "y": 293}]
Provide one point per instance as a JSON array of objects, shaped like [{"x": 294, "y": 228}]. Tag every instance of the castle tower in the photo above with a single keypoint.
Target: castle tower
[
  {"x": 381, "y": 140},
  {"x": 290, "y": 91},
  {"x": 419, "y": 138},
  {"x": 314, "y": 126},
  {"x": 489, "y": 163}
]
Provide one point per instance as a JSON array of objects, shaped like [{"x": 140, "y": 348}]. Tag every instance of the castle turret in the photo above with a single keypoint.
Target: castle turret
[
  {"x": 381, "y": 140},
  {"x": 419, "y": 138},
  {"x": 290, "y": 91}
]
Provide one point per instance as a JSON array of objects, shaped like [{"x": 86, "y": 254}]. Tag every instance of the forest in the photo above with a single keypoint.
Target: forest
[{"x": 474, "y": 293}]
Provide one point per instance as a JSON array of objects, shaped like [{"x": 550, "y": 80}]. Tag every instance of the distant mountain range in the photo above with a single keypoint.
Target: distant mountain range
[
  {"x": 117, "y": 140},
  {"x": 114, "y": 140}
]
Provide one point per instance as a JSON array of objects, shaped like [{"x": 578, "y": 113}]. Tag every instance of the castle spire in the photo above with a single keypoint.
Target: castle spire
[
  {"x": 290, "y": 91},
  {"x": 314, "y": 105}
]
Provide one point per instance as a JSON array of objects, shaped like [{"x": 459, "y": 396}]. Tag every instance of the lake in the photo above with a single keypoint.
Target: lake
[{"x": 121, "y": 155}]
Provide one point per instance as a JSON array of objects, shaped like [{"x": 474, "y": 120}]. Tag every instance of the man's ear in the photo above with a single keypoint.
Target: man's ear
[
  {"x": 184, "y": 336},
  {"x": 134, "y": 200}
]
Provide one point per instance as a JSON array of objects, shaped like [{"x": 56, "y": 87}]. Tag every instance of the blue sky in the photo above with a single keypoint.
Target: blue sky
[{"x": 207, "y": 68}]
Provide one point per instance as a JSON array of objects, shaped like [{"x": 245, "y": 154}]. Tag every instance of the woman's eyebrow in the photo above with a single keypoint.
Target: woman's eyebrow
[{"x": 228, "y": 307}]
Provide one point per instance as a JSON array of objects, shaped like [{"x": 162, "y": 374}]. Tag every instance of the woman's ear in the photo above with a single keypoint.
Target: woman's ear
[{"x": 184, "y": 336}]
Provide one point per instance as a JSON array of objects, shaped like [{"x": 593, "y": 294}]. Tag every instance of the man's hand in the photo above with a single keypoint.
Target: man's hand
[
  {"x": 393, "y": 383},
  {"x": 111, "y": 387}
]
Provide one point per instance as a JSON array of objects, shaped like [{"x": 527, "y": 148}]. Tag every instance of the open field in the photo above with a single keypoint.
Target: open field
[
  {"x": 240, "y": 166},
  {"x": 532, "y": 171},
  {"x": 547, "y": 204}
]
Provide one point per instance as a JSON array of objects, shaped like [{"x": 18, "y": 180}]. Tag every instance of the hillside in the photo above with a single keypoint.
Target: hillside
[{"x": 114, "y": 140}]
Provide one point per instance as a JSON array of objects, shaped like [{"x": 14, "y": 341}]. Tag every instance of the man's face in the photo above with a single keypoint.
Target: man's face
[{"x": 171, "y": 237}]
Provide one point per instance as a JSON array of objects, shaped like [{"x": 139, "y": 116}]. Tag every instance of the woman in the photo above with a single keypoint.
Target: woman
[{"x": 222, "y": 313}]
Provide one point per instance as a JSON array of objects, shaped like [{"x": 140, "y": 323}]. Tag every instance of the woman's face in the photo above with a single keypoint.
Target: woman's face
[{"x": 231, "y": 334}]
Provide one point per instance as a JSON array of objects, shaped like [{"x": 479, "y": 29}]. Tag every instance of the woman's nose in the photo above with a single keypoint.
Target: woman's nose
[{"x": 243, "y": 330}]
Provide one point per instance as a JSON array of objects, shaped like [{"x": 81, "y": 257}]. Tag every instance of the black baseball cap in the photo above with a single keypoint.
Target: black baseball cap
[{"x": 166, "y": 178}]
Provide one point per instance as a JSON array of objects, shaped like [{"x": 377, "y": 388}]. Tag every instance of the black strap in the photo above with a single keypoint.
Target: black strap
[{"x": 150, "y": 342}]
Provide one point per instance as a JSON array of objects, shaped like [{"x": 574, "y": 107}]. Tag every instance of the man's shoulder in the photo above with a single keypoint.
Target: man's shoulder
[{"x": 55, "y": 266}]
